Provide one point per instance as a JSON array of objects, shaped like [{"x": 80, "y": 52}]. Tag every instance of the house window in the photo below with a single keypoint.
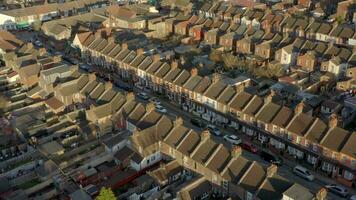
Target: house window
[
  {"x": 315, "y": 148},
  {"x": 298, "y": 140},
  {"x": 326, "y": 167},
  {"x": 249, "y": 196},
  {"x": 153, "y": 158},
  {"x": 311, "y": 159},
  {"x": 348, "y": 175}
]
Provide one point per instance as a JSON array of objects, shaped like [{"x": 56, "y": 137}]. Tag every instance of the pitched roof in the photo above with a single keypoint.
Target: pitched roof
[
  {"x": 215, "y": 89},
  {"x": 349, "y": 148},
  {"x": 316, "y": 131},
  {"x": 335, "y": 139},
  {"x": 268, "y": 112},
  {"x": 253, "y": 178},
  {"x": 282, "y": 117},
  {"x": 300, "y": 124},
  {"x": 240, "y": 100},
  {"x": 273, "y": 188}
]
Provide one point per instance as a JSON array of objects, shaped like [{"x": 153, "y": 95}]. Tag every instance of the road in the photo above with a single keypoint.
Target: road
[
  {"x": 285, "y": 170},
  {"x": 174, "y": 111}
]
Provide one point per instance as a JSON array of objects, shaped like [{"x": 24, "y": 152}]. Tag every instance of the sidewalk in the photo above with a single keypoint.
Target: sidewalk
[{"x": 320, "y": 178}]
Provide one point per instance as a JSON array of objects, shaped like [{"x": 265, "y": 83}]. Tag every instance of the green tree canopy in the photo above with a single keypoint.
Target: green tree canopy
[
  {"x": 215, "y": 56},
  {"x": 106, "y": 194}
]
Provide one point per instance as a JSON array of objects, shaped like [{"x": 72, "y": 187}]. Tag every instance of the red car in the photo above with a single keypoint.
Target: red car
[{"x": 249, "y": 147}]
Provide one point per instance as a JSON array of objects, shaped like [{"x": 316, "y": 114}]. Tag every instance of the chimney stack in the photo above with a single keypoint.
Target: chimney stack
[
  {"x": 236, "y": 151},
  {"x": 174, "y": 64},
  {"x": 108, "y": 85},
  {"x": 124, "y": 46},
  {"x": 130, "y": 96},
  {"x": 333, "y": 121},
  {"x": 272, "y": 170},
  {"x": 150, "y": 107},
  {"x": 216, "y": 77},
  {"x": 178, "y": 121},
  {"x": 194, "y": 72},
  {"x": 92, "y": 77},
  {"x": 98, "y": 34},
  {"x": 299, "y": 108},
  {"x": 205, "y": 135},
  {"x": 156, "y": 58},
  {"x": 321, "y": 194},
  {"x": 139, "y": 51},
  {"x": 269, "y": 97}
]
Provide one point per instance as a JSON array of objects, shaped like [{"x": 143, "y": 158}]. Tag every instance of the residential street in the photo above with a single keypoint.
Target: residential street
[
  {"x": 173, "y": 111},
  {"x": 285, "y": 170}
]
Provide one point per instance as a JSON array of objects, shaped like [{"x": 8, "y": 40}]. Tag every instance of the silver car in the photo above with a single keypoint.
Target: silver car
[{"x": 337, "y": 189}]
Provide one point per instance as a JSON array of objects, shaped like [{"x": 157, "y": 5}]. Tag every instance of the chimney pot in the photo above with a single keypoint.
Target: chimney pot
[
  {"x": 124, "y": 46},
  {"x": 156, "y": 58},
  {"x": 139, "y": 51},
  {"x": 92, "y": 77},
  {"x": 333, "y": 121},
  {"x": 174, "y": 64},
  {"x": 205, "y": 135},
  {"x": 236, "y": 151},
  {"x": 130, "y": 96},
  {"x": 216, "y": 77},
  {"x": 194, "y": 71},
  {"x": 178, "y": 121},
  {"x": 299, "y": 108}
]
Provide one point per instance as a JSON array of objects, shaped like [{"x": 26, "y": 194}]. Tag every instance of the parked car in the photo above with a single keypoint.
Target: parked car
[
  {"x": 154, "y": 100},
  {"x": 249, "y": 147},
  {"x": 38, "y": 43},
  {"x": 303, "y": 172},
  {"x": 233, "y": 139},
  {"x": 269, "y": 157},
  {"x": 161, "y": 109},
  {"x": 353, "y": 197},
  {"x": 143, "y": 95},
  {"x": 214, "y": 130},
  {"x": 198, "y": 122},
  {"x": 337, "y": 189}
]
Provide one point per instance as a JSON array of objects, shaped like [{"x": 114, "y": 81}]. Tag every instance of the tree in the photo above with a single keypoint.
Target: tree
[
  {"x": 215, "y": 56},
  {"x": 230, "y": 61},
  {"x": 106, "y": 194},
  {"x": 37, "y": 25},
  {"x": 340, "y": 20}
]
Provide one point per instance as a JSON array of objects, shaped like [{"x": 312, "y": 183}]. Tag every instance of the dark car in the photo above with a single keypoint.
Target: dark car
[
  {"x": 198, "y": 122},
  {"x": 270, "y": 157}
]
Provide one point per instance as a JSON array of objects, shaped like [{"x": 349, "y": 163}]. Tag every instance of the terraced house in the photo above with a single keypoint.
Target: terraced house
[
  {"x": 288, "y": 129},
  {"x": 228, "y": 173}
]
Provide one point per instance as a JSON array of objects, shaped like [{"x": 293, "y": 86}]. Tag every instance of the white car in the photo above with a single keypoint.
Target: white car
[
  {"x": 233, "y": 139},
  {"x": 161, "y": 109},
  {"x": 353, "y": 197},
  {"x": 303, "y": 172},
  {"x": 214, "y": 130},
  {"x": 154, "y": 100},
  {"x": 337, "y": 189}
]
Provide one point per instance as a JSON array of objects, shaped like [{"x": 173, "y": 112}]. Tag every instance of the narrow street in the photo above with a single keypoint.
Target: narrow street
[
  {"x": 174, "y": 111},
  {"x": 285, "y": 170}
]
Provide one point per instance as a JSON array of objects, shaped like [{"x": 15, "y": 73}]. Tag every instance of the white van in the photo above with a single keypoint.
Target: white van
[{"x": 303, "y": 172}]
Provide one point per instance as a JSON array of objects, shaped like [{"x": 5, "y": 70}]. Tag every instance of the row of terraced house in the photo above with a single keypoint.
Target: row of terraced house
[{"x": 326, "y": 146}]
